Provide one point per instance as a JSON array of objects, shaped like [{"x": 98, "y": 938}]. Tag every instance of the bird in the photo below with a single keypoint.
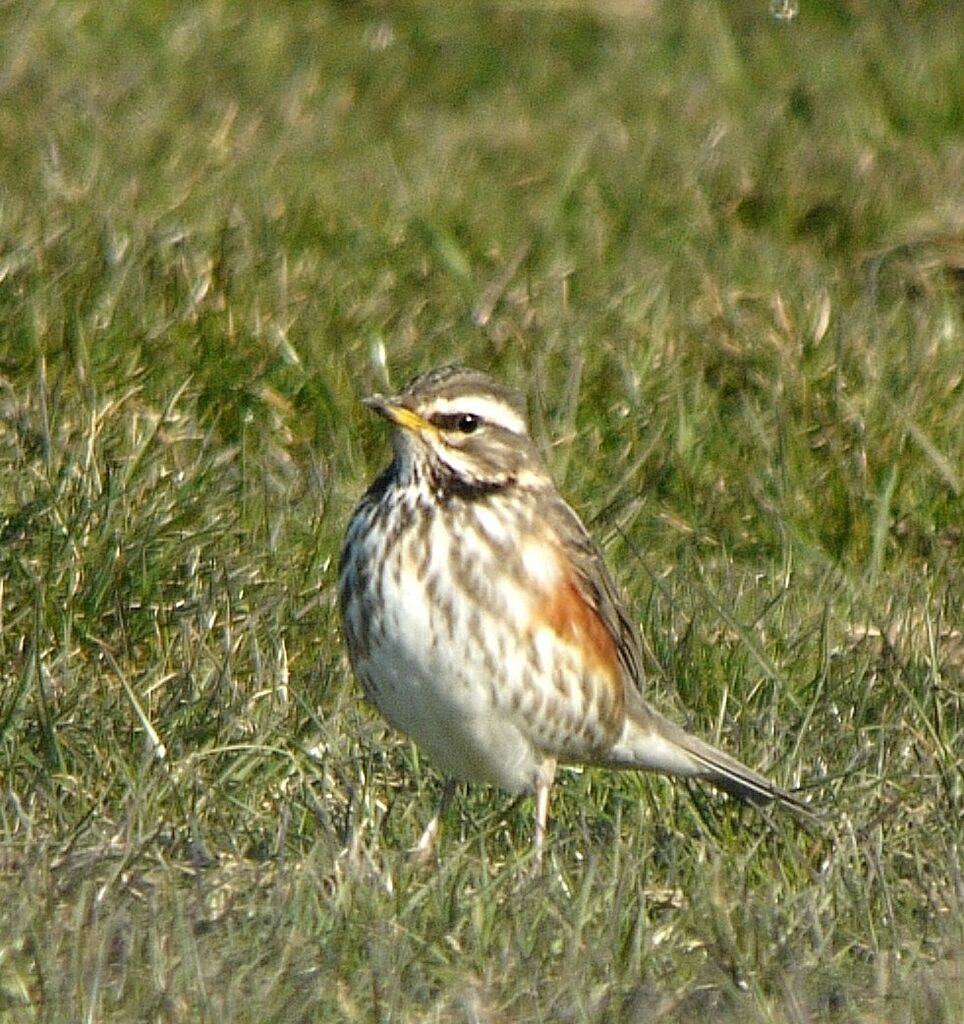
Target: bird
[{"x": 482, "y": 621}]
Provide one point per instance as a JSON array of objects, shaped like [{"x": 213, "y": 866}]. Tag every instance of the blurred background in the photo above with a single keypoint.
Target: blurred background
[{"x": 720, "y": 246}]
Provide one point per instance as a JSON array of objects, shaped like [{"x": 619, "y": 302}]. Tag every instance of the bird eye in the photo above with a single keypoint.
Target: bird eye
[{"x": 463, "y": 422}]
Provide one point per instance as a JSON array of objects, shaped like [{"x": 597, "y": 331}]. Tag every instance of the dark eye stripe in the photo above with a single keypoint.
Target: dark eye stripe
[{"x": 463, "y": 422}]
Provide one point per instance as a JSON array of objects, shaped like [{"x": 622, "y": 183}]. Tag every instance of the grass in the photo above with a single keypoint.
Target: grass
[{"x": 722, "y": 255}]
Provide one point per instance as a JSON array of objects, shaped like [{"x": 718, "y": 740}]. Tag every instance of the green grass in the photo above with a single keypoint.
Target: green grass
[{"x": 722, "y": 255}]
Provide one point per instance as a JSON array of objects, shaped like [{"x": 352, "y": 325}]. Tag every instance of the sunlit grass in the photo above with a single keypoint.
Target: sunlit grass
[{"x": 722, "y": 255}]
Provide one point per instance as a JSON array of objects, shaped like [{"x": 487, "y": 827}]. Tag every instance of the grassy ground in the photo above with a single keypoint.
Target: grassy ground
[{"x": 724, "y": 256}]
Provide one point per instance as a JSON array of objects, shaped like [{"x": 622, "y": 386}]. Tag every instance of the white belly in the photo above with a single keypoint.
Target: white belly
[{"x": 435, "y": 677}]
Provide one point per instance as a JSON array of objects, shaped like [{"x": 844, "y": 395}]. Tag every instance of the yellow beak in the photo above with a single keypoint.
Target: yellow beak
[{"x": 399, "y": 415}]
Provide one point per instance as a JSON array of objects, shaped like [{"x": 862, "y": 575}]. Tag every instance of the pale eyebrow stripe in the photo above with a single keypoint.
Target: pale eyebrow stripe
[{"x": 489, "y": 409}]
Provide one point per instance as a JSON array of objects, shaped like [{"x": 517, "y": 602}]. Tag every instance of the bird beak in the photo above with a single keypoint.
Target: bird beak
[{"x": 399, "y": 415}]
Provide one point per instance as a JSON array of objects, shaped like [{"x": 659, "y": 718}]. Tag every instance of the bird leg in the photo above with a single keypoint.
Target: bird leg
[
  {"x": 425, "y": 846},
  {"x": 542, "y": 816}
]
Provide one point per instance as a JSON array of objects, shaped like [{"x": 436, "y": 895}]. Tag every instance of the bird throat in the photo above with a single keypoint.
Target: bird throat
[{"x": 450, "y": 485}]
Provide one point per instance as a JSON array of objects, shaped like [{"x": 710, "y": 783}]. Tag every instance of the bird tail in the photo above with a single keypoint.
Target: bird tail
[{"x": 651, "y": 742}]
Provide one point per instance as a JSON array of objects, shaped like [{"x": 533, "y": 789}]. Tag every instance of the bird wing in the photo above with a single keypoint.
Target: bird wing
[
  {"x": 597, "y": 587},
  {"x": 651, "y": 740}
]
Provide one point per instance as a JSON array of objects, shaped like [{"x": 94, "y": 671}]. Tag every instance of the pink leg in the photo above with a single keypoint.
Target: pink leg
[
  {"x": 426, "y": 843},
  {"x": 542, "y": 817}
]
